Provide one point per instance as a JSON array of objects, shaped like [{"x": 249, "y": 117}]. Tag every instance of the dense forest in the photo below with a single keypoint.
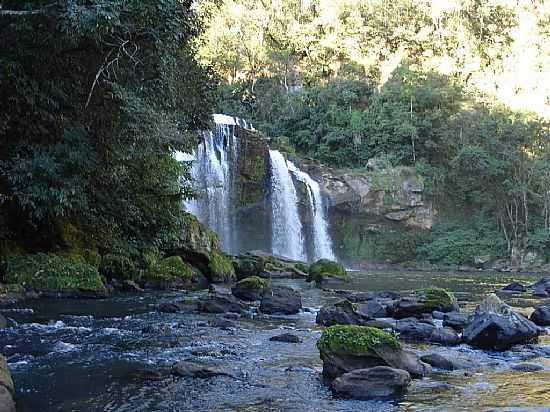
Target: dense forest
[{"x": 457, "y": 89}]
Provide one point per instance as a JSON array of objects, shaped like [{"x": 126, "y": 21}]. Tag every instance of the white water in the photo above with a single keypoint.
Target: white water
[
  {"x": 322, "y": 243},
  {"x": 286, "y": 230}
]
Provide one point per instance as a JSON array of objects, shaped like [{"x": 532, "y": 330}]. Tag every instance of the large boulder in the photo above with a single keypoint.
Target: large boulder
[
  {"x": 424, "y": 301},
  {"x": 248, "y": 265},
  {"x": 541, "y": 316},
  {"x": 542, "y": 287},
  {"x": 188, "y": 369},
  {"x": 380, "y": 382},
  {"x": 340, "y": 313},
  {"x": 494, "y": 325},
  {"x": 455, "y": 320},
  {"x": 221, "y": 303},
  {"x": 250, "y": 289},
  {"x": 344, "y": 348},
  {"x": 438, "y": 361},
  {"x": 413, "y": 330},
  {"x": 281, "y": 300},
  {"x": 325, "y": 269},
  {"x": 7, "y": 403}
]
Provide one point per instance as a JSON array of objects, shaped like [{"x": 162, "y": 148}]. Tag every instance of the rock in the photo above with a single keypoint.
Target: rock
[
  {"x": 514, "y": 287},
  {"x": 189, "y": 369},
  {"x": 381, "y": 323},
  {"x": 380, "y": 382},
  {"x": 5, "y": 375},
  {"x": 131, "y": 286},
  {"x": 496, "y": 326},
  {"x": 3, "y": 322},
  {"x": 438, "y": 361},
  {"x": 221, "y": 303},
  {"x": 162, "y": 329},
  {"x": 481, "y": 261},
  {"x": 281, "y": 300},
  {"x": 168, "y": 308},
  {"x": 248, "y": 265},
  {"x": 344, "y": 348},
  {"x": 250, "y": 289},
  {"x": 413, "y": 330},
  {"x": 286, "y": 337},
  {"x": 455, "y": 320},
  {"x": 424, "y": 301},
  {"x": 436, "y": 314},
  {"x": 542, "y": 287},
  {"x": 340, "y": 313},
  {"x": 372, "y": 310},
  {"x": 147, "y": 375},
  {"x": 355, "y": 297},
  {"x": 541, "y": 316},
  {"x": 325, "y": 269},
  {"x": 527, "y": 367},
  {"x": 221, "y": 323},
  {"x": 6, "y": 400}
]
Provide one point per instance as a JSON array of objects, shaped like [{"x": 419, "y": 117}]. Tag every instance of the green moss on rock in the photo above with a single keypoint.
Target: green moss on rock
[
  {"x": 220, "y": 268},
  {"x": 51, "y": 272},
  {"x": 436, "y": 298},
  {"x": 115, "y": 266},
  {"x": 169, "y": 269},
  {"x": 355, "y": 340},
  {"x": 253, "y": 282},
  {"x": 302, "y": 267},
  {"x": 325, "y": 268}
]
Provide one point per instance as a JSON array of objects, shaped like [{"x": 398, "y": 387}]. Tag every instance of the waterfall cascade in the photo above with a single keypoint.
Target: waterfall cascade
[
  {"x": 215, "y": 173},
  {"x": 286, "y": 228}
]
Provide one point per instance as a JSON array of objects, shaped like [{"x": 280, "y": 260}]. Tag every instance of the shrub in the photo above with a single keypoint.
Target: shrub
[
  {"x": 220, "y": 267},
  {"x": 51, "y": 272},
  {"x": 168, "y": 269},
  {"x": 117, "y": 267}
]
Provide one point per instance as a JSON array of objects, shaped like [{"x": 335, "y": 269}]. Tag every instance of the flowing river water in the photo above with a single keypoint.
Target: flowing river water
[{"x": 101, "y": 355}]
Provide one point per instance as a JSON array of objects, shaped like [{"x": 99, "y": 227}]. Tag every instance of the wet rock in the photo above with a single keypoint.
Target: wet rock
[
  {"x": 424, "y": 301},
  {"x": 286, "y": 337},
  {"x": 495, "y": 325},
  {"x": 541, "y": 316},
  {"x": 250, "y": 289},
  {"x": 190, "y": 369},
  {"x": 372, "y": 309},
  {"x": 344, "y": 348},
  {"x": 542, "y": 287},
  {"x": 248, "y": 265},
  {"x": 380, "y": 382},
  {"x": 325, "y": 269},
  {"x": 281, "y": 300},
  {"x": 514, "y": 287},
  {"x": 168, "y": 308},
  {"x": 356, "y": 297},
  {"x": 162, "y": 329},
  {"x": 438, "y": 361},
  {"x": 221, "y": 323},
  {"x": 7, "y": 403},
  {"x": 3, "y": 322},
  {"x": 148, "y": 375},
  {"x": 527, "y": 367},
  {"x": 340, "y": 313},
  {"x": 413, "y": 330},
  {"x": 221, "y": 303},
  {"x": 6, "y": 400},
  {"x": 381, "y": 323},
  {"x": 438, "y": 315},
  {"x": 455, "y": 320},
  {"x": 131, "y": 286}
]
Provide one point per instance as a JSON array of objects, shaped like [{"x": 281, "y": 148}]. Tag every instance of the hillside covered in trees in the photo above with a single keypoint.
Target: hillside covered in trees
[{"x": 457, "y": 89}]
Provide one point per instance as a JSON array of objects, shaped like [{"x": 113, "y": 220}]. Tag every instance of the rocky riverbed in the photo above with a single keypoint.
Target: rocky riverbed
[{"x": 157, "y": 351}]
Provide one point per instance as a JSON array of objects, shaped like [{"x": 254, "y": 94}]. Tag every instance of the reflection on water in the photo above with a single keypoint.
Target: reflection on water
[{"x": 83, "y": 356}]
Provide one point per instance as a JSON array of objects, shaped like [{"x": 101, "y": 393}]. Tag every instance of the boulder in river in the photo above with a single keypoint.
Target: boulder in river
[
  {"x": 438, "y": 361},
  {"x": 414, "y": 330},
  {"x": 281, "y": 300},
  {"x": 514, "y": 287},
  {"x": 542, "y": 287},
  {"x": 188, "y": 369},
  {"x": 340, "y": 313},
  {"x": 168, "y": 308},
  {"x": 286, "y": 337},
  {"x": 7, "y": 403},
  {"x": 221, "y": 303},
  {"x": 455, "y": 320},
  {"x": 325, "y": 269},
  {"x": 379, "y": 382},
  {"x": 541, "y": 316},
  {"x": 250, "y": 289},
  {"x": 527, "y": 367},
  {"x": 424, "y": 301},
  {"x": 344, "y": 348},
  {"x": 494, "y": 325},
  {"x": 248, "y": 265}
]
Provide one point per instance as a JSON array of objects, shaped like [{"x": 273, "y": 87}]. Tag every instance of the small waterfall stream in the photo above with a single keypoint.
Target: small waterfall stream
[
  {"x": 286, "y": 228},
  {"x": 215, "y": 173}
]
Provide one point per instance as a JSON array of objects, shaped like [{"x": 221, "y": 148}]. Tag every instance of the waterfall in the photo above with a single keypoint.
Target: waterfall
[
  {"x": 322, "y": 243},
  {"x": 286, "y": 228},
  {"x": 213, "y": 178}
]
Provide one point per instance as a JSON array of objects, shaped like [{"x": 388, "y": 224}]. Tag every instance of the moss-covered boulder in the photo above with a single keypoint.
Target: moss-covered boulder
[
  {"x": 250, "y": 289},
  {"x": 342, "y": 312},
  {"x": 425, "y": 301},
  {"x": 220, "y": 268},
  {"x": 7, "y": 403},
  {"x": 325, "y": 269},
  {"x": 169, "y": 272},
  {"x": 53, "y": 273},
  {"x": 344, "y": 348},
  {"x": 119, "y": 267},
  {"x": 248, "y": 265}
]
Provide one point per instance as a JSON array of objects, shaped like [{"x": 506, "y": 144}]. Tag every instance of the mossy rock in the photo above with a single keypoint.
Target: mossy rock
[
  {"x": 169, "y": 269},
  {"x": 302, "y": 267},
  {"x": 325, "y": 268},
  {"x": 220, "y": 268},
  {"x": 248, "y": 266},
  {"x": 355, "y": 340},
  {"x": 250, "y": 289},
  {"x": 76, "y": 242},
  {"x": 120, "y": 267},
  {"x": 436, "y": 299},
  {"x": 51, "y": 272}
]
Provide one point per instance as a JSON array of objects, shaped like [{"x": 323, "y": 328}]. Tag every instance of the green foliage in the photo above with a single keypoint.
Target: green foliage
[
  {"x": 455, "y": 244},
  {"x": 325, "y": 268},
  {"x": 220, "y": 268},
  {"x": 51, "y": 272},
  {"x": 169, "y": 269},
  {"x": 355, "y": 340},
  {"x": 117, "y": 267},
  {"x": 539, "y": 241},
  {"x": 253, "y": 283}
]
